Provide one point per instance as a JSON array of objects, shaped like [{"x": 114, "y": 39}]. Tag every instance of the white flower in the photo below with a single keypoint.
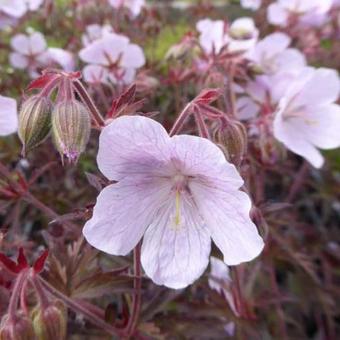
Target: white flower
[
  {"x": 251, "y": 4},
  {"x": 243, "y": 34},
  {"x": 214, "y": 35},
  {"x": 8, "y": 116},
  {"x": 220, "y": 280},
  {"x": 311, "y": 12},
  {"x": 178, "y": 192},
  {"x": 17, "y": 8},
  {"x": 134, "y": 6},
  {"x": 308, "y": 118},
  {"x": 273, "y": 55},
  {"x": 31, "y": 52},
  {"x": 112, "y": 58},
  {"x": 94, "y": 32}
]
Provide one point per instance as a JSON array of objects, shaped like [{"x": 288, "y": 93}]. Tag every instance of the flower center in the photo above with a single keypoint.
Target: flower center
[{"x": 179, "y": 185}]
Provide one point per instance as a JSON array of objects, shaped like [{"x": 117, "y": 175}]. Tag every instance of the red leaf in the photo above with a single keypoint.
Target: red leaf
[
  {"x": 125, "y": 99},
  {"x": 40, "y": 262},
  {"x": 41, "y": 81},
  {"x": 21, "y": 260},
  {"x": 207, "y": 96},
  {"x": 9, "y": 264}
]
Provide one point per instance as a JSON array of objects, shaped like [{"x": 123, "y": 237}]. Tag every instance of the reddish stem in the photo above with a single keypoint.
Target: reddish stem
[
  {"x": 180, "y": 121},
  {"x": 136, "y": 303},
  {"x": 80, "y": 89}
]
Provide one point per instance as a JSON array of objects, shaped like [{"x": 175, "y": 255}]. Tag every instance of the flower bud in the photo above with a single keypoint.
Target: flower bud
[
  {"x": 34, "y": 122},
  {"x": 50, "y": 322},
  {"x": 18, "y": 328},
  {"x": 71, "y": 126},
  {"x": 232, "y": 137}
]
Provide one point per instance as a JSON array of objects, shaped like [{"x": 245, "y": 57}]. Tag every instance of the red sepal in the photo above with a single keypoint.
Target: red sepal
[{"x": 40, "y": 262}]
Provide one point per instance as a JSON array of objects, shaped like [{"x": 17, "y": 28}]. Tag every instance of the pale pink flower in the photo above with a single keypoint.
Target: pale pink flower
[
  {"x": 134, "y": 6},
  {"x": 179, "y": 192},
  {"x": 312, "y": 12},
  {"x": 8, "y": 116},
  {"x": 112, "y": 58},
  {"x": 31, "y": 52},
  {"x": 272, "y": 55},
  {"x": 280, "y": 66},
  {"x": 308, "y": 118},
  {"x": 94, "y": 32},
  {"x": 214, "y": 35},
  {"x": 220, "y": 280},
  {"x": 243, "y": 34},
  {"x": 11, "y": 10},
  {"x": 251, "y": 4}
]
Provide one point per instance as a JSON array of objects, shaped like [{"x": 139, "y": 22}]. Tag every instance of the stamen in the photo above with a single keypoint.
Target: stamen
[{"x": 178, "y": 207}]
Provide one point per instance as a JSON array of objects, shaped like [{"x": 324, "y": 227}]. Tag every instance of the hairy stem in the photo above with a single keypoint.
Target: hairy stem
[{"x": 136, "y": 302}]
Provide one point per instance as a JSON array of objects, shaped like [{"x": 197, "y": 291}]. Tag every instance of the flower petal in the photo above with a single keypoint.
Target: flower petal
[
  {"x": 323, "y": 87},
  {"x": 64, "y": 58},
  {"x": 18, "y": 60},
  {"x": 132, "y": 145},
  {"x": 122, "y": 213},
  {"x": 200, "y": 157},
  {"x": 133, "y": 57},
  {"x": 289, "y": 132},
  {"x": 176, "y": 255},
  {"x": 226, "y": 213},
  {"x": 8, "y": 116},
  {"x": 95, "y": 74}
]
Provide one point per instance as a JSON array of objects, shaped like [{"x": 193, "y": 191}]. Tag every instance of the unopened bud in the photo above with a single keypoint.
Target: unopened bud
[
  {"x": 18, "y": 328},
  {"x": 232, "y": 137},
  {"x": 71, "y": 126},
  {"x": 34, "y": 122},
  {"x": 51, "y": 322}
]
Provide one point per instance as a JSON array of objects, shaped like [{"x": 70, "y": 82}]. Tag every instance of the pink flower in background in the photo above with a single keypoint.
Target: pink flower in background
[
  {"x": 94, "y": 32},
  {"x": 134, "y": 6},
  {"x": 214, "y": 35},
  {"x": 8, "y": 116},
  {"x": 11, "y": 10},
  {"x": 308, "y": 118},
  {"x": 220, "y": 280},
  {"x": 112, "y": 58},
  {"x": 310, "y": 12},
  {"x": 31, "y": 53},
  {"x": 243, "y": 34},
  {"x": 178, "y": 192},
  {"x": 251, "y": 4},
  {"x": 272, "y": 55},
  {"x": 280, "y": 66}
]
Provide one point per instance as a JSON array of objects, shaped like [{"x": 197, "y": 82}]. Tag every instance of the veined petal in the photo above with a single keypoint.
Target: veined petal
[
  {"x": 122, "y": 213},
  {"x": 18, "y": 60},
  {"x": 199, "y": 156},
  {"x": 132, "y": 145},
  {"x": 8, "y": 116},
  {"x": 323, "y": 87},
  {"x": 176, "y": 254},
  {"x": 95, "y": 74},
  {"x": 290, "y": 133},
  {"x": 133, "y": 57},
  {"x": 226, "y": 213}
]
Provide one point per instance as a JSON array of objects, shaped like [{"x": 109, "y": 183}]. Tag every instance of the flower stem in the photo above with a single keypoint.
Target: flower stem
[
  {"x": 201, "y": 125},
  {"x": 80, "y": 89},
  {"x": 136, "y": 302},
  {"x": 15, "y": 295},
  {"x": 74, "y": 305},
  {"x": 178, "y": 125}
]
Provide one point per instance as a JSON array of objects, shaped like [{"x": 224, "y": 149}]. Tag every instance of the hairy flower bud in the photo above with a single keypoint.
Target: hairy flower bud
[
  {"x": 18, "y": 328},
  {"x": 50, "y": 322},
  {"x": 232, "y": 137},
  {"x": 34, "y": 122},
  {"x": 71, "y": 126}
]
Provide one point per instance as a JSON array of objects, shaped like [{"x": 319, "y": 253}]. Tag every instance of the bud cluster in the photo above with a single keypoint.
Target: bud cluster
[{"x": 68, "y": 118}]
